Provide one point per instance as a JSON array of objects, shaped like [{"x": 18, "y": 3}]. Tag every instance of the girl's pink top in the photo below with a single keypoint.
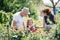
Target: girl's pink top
[{"x": 33, "y": 29}]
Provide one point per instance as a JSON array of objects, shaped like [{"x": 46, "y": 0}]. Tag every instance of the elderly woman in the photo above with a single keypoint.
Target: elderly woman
[{"x": 48, "y": 18}]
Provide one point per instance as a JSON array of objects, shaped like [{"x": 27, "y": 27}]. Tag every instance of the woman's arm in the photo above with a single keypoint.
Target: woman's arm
[
  {"x": 43, "y": 23},
  {"x": 55, "y": 19}
]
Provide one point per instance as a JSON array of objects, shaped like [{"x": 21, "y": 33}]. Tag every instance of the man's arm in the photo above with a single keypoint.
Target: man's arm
[{"x": 14, "y": 24}]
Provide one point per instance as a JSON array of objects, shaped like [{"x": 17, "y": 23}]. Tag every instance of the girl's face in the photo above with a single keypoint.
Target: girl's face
[{"x": 30, "y": 22}]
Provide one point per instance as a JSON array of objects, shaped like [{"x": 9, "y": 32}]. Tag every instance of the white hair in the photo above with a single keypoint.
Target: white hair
[{"x": 25, "y": 8}]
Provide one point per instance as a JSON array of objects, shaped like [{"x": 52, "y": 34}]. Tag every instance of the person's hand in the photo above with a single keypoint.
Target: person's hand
[
  {"x": 16, "y": 28},
  {"x": 37, "y": 31},
  {"x": 12, "y": 30},
  {"x": 21, "y": 31},
  {"x": 43, "y": 26}
]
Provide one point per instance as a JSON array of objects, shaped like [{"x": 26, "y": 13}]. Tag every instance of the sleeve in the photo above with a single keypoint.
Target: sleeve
[
  {"x": 15, "y": 18},
  {"x": 45, "y": 19}
]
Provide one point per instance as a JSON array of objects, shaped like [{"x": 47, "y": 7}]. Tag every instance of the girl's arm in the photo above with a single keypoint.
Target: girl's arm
[{"x": 23, "y": 26}]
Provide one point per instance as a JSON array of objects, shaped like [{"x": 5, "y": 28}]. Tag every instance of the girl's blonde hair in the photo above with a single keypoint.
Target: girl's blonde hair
[{"x": 30, "y": 19}]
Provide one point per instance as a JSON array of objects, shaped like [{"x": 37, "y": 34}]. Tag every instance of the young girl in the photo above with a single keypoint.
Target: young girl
[{"x": 30, "y": 25}]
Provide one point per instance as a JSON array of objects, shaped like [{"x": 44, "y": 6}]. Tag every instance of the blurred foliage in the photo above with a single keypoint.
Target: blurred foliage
[
  {"x": 13, "y": 6},
  {"x": 9, "y": 7},
  {"x": 53, "y": 34},
  {"x": 5, "y": 17}
]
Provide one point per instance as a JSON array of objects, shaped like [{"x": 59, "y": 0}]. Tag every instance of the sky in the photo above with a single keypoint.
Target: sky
[{"x": 48, "y": 1}]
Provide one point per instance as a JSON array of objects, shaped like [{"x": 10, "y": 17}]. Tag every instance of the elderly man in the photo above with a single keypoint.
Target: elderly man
[{"x": 18, "y": 21}]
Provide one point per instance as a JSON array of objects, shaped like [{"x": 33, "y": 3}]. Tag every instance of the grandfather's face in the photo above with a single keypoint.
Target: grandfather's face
[{"x": 25, "y": 12}]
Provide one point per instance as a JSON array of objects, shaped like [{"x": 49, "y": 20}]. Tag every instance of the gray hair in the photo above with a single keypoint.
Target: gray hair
[{"x": 25, "y": 8}]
